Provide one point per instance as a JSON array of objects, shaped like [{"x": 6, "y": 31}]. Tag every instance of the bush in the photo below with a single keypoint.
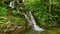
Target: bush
[
  {"x": 17, "y": 20},
  {"x": 45, "y": 19},
  {"x": 3, "y": 11},
  {"x": 15, "y": 13}
]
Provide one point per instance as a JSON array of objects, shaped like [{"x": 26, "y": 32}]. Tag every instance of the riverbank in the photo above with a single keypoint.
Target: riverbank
[{"x": 47, "y": 31}]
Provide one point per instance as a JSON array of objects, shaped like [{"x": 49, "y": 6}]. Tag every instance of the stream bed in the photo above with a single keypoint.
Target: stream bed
[{"x": 47, "y": 31}]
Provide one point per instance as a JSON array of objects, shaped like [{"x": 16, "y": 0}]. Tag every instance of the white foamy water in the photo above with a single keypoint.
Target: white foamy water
[
  {"x": 11, "y": 4},
  {"x": 35, "y": 27}
]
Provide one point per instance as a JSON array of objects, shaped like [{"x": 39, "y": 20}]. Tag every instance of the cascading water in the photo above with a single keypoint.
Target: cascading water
[
  {"x": 27, "y": 18},
  {"x": 11, "y": 4},
  {"x": 32, "y": 21},
  {"x": 35, "y": 27}
]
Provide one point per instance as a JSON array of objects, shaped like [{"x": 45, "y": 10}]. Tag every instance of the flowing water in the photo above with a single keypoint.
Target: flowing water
[
  {"x": 11, "y": 4},
  {"x": 32, "y": 21},
  {"x": 35, "y": 27}
]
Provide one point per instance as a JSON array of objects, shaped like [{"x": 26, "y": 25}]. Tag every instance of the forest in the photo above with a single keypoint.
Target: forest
[{"x": 29, "y": 17}]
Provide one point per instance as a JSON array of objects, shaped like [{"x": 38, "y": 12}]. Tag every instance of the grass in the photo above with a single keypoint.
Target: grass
[{"x": 47, "y": 31}]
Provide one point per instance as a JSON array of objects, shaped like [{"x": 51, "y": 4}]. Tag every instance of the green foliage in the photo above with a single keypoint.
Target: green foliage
[
  {"x": 4, "y": 21},
  {"x": 41, "y": 8},
  {"x": 20, "y": 21},
  {"x": 32, "y": 4},
  {"x": 3, "y": 11},
  {"x": 17, "y": 20},
  {"x": 45, "y": 19},
  {"x": 15, "y": 13}
]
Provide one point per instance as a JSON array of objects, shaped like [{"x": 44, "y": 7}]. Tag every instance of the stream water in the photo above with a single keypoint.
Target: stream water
[
  {"x": 35, "y": 26},
  {"x": 11, "y": 4}
]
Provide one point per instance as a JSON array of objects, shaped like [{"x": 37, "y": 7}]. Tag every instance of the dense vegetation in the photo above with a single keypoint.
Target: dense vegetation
[{"x": 46, "y": 13}]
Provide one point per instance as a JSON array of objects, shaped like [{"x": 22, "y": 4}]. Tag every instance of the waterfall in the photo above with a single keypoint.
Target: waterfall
[
  {"x": 35, "y": 27},
  {"x": 11, "y": 4},
  {"x": 27, "y": 18},
  {"x": 31, "y": 22}
]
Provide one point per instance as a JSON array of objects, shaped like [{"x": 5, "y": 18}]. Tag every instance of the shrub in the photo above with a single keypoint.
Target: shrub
[{"x": 3, "y": 11}]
